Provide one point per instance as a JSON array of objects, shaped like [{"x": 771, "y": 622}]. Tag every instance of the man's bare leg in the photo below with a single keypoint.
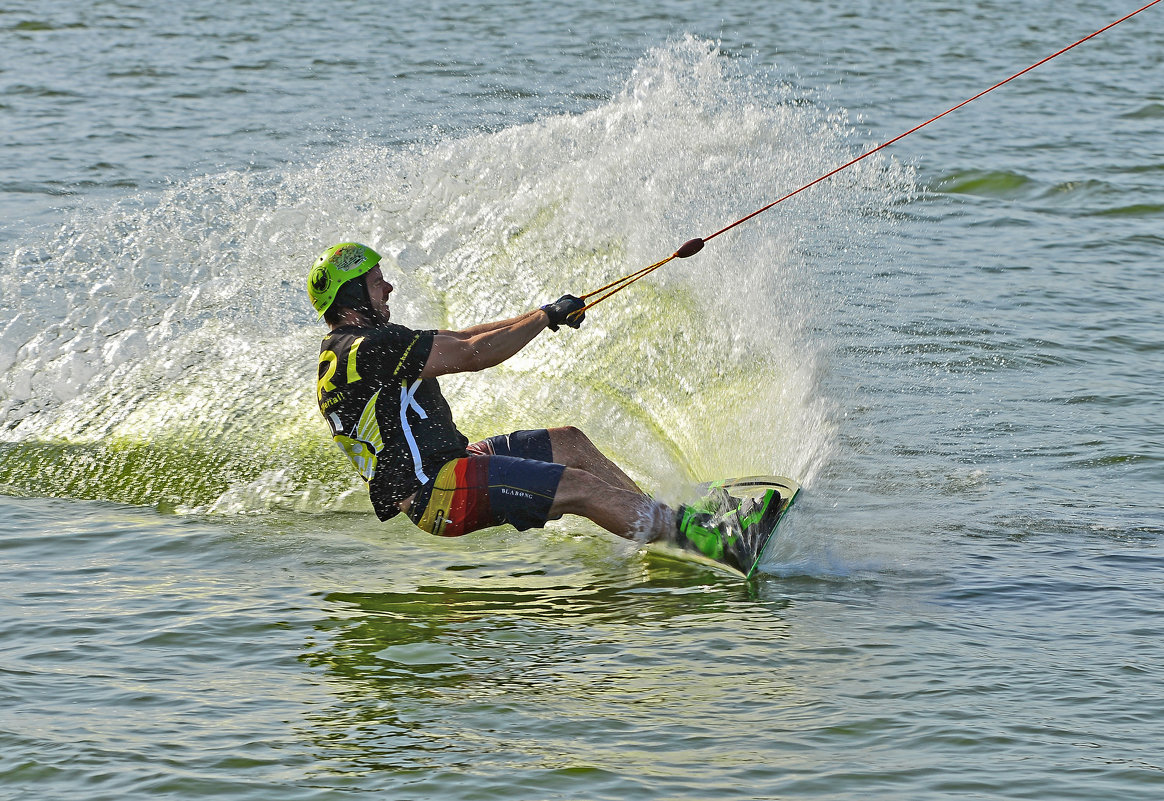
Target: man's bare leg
[
  {"x": 625, "y": 512},
  {"x": 573, "y": 448}
]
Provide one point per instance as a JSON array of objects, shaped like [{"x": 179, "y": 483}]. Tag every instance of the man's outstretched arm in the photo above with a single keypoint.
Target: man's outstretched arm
[{"x": 489, "y": 344}]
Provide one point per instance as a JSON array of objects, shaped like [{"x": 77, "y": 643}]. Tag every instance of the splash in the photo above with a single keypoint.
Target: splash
[{"x": 163, "y": 352}]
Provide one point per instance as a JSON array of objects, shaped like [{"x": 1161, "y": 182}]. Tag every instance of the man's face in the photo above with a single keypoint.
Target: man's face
[{"x": 378, "y": 292}]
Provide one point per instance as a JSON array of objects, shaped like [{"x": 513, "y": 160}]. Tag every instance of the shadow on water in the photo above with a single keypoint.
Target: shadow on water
[{"x": 494, "y": 669}]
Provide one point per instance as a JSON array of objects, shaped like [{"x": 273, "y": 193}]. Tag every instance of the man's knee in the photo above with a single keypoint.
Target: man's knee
[{"x": 567, "y": 441}]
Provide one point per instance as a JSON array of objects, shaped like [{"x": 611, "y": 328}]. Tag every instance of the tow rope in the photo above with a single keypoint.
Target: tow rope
[{"x": 693, "y": 246}]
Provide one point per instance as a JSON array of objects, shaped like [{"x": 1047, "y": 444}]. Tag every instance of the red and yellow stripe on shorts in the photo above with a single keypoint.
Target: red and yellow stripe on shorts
[{"x": 460, "y": 499}]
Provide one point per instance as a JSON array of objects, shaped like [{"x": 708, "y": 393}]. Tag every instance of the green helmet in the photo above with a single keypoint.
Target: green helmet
[{"x": 338, "y": 264}]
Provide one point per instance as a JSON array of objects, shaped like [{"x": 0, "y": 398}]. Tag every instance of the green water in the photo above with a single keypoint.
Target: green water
[
  {"x": 282, "y": 658},
  {"x": 955, "y": 348}
]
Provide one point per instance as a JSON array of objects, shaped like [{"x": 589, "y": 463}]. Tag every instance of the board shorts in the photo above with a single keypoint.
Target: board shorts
[{"x": 510, "y": 478}]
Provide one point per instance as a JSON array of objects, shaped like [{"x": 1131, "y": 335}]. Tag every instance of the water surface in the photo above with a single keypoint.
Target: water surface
[{"x": 955, "y": 347}]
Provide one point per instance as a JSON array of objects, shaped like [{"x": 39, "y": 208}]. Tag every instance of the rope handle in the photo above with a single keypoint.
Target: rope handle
[{"x": 686, "y": 250}]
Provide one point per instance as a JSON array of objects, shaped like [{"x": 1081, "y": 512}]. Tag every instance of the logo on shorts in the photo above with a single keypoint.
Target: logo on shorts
[{"x": 518, "y": 493}]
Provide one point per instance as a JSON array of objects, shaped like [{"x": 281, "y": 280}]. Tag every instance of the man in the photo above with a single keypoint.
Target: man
[{"x": 377, "y": 388}]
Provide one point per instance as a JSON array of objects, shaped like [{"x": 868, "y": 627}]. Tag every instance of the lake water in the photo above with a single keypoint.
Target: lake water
[{"x": 956, "y": 347}]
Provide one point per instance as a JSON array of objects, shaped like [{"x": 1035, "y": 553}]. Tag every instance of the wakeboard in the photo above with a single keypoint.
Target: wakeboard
[{"x": 719, "y": 493}]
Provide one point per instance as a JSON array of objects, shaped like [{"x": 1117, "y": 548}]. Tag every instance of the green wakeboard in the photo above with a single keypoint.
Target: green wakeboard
[{"x": 747, "y": 487}]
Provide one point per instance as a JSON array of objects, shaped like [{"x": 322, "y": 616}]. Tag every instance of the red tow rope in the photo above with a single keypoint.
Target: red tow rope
[{"x": 693, "y": 246}]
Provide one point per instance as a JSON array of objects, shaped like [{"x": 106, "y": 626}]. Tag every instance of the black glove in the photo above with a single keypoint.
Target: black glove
[{"x": 560, "y": 310}]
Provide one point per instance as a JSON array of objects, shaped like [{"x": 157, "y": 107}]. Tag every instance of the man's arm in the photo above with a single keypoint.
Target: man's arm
[
  {"x": 482, "y": 346},
  {"x": 559, "y": 311},
  {"x": 483, "y": 328}
]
